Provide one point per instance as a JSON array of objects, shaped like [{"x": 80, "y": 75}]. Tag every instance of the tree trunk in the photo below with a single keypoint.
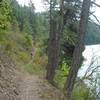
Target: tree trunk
[
  {"x": 52, "y": 63},
  {"x": 52, "y": 53},
  {"x": 56, "y": 26},
  {"x": 77, "y": 55}
]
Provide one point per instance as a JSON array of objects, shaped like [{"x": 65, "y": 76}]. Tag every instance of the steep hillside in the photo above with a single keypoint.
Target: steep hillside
[{"x": 8, "y": 79}]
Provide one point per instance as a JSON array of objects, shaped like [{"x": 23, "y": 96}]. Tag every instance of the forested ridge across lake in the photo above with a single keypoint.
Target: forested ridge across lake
[{"x": 41, "y": 52}]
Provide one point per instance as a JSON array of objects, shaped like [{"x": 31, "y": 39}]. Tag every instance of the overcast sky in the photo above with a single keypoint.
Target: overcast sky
[
  {"x": 97, "y": 9},
  {"x": 39, "y": 6}
]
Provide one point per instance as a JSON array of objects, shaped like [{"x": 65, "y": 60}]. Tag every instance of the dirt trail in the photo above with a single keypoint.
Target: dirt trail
[{"x": 29, "y": 87}]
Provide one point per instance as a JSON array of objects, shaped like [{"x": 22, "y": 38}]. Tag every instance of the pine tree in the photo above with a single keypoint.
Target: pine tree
[{"x": 79, "y": 47}]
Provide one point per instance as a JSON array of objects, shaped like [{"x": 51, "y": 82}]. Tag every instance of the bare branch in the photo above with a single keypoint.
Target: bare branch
[
  {"x": 95, "y": 4},
  {"x": 95, "y": 17},
  {"x": 93, "y": 71},
  {"x": 92, "y": 21}
]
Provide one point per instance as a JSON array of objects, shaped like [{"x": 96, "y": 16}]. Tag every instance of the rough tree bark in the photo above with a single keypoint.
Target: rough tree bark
[
  {"x": 52, "y": 61},
  {"x": 77, "y": 55},
  {"x": 56, "y": 26}
]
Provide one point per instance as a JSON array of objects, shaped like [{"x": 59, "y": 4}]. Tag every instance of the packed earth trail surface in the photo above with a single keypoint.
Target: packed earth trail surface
[
  {"x": 29, "y": 87},
  {"x": 35, "y": 87}
]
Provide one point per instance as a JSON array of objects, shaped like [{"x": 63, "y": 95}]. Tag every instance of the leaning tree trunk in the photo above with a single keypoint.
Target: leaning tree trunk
[
  {"x": 77, "y": 55},
  {"x": 56, "y": 27}
]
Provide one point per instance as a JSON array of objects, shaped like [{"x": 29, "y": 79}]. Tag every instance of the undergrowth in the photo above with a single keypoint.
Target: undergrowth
[{"x": 38, "y": 62}]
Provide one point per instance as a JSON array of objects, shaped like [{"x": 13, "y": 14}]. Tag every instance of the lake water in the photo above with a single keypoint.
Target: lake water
[{"x": 91, "y": 52}]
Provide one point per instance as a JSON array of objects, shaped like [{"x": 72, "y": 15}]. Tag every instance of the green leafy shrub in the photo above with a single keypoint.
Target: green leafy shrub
[
  {"x": 61, "y": 75},
  {"x": 81, "y": 92},
  {"x": 4, "y": 13}
]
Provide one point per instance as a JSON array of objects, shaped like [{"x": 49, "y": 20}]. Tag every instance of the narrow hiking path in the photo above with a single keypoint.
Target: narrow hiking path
[
  {"x": 29, "y": 87},
  {"x": 35, "y": 87}
]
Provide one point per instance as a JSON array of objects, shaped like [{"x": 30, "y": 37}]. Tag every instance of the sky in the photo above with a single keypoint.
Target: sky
[
  {"x": 97, "y": 10},
  {"x": 40, "y": 7},
  {"x": 38, "y": 4}
]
